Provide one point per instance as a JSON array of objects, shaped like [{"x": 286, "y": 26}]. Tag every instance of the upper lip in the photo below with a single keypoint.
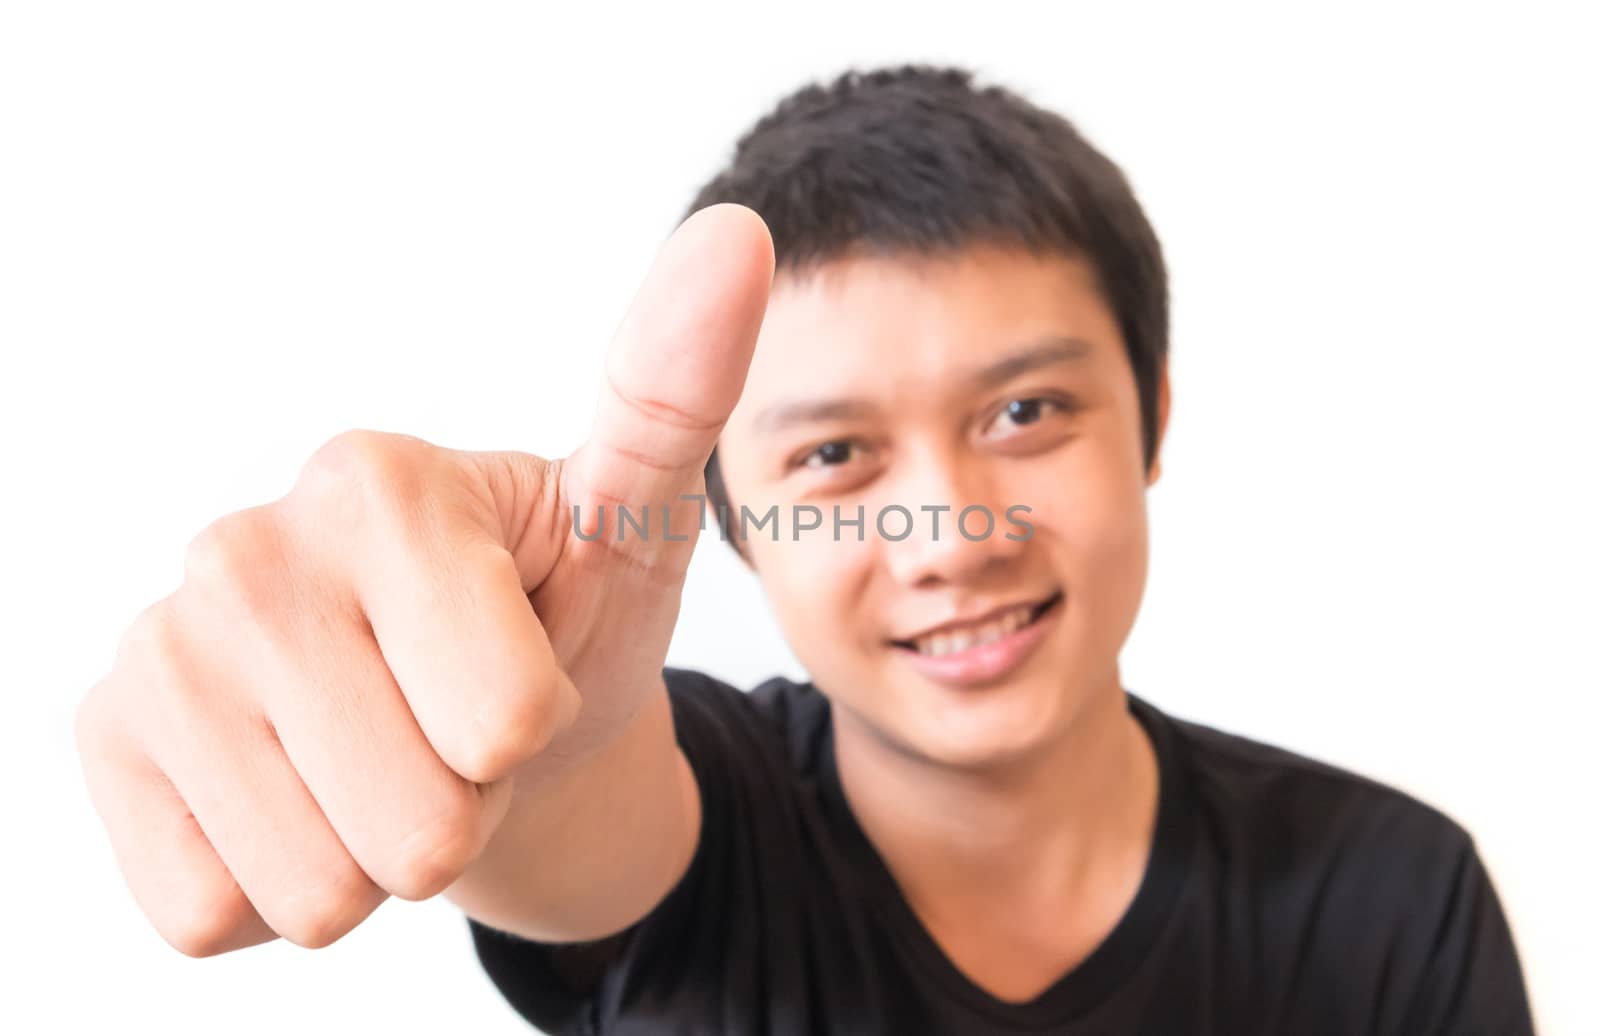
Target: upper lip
[{"x": 975, "y": 617}]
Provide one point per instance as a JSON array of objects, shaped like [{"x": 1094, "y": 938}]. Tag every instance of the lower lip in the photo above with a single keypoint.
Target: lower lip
[{"x": 985, "y": 663}]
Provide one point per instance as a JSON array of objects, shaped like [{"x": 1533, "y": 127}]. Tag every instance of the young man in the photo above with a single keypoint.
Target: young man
[{"x": 936, "y": 395}]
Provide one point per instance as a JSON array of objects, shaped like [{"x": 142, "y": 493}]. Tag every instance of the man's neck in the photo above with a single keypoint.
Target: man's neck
[{"x": 1046, "y": 852}]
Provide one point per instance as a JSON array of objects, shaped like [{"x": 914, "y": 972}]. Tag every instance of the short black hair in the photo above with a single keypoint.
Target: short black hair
[{"x": 917, "y": 159}]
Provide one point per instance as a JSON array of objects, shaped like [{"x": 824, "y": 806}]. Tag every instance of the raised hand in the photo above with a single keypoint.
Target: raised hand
[{"x": 335, "y": 703}]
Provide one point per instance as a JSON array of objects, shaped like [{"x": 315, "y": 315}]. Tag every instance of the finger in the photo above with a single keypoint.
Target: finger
[
  {"x": 222, "y": 756},
  {"x": 678, "y": 361},
  {"x": 449, "y": 612},
  {"x": 411, "y": 822},
  {"x": 170, "y": 867},
  {"x": 266, "y": 828}
]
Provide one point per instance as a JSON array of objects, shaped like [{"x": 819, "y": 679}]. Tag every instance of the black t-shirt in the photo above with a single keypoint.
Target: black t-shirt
[{"x": 1282, "y": 896}]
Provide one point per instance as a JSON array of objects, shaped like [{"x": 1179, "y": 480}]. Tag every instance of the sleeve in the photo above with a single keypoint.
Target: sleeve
[
  {"x": 577, "y": 989},
  {"x": 552, "y": 985},
  {"x": 1470, "y": 981}
]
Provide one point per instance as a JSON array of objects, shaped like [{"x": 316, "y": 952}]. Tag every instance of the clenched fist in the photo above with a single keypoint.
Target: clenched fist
[{"x": 342, "y": 697}]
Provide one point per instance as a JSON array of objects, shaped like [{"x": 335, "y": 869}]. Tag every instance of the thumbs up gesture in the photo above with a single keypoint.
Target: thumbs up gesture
[{"x": 337, "y": 702}]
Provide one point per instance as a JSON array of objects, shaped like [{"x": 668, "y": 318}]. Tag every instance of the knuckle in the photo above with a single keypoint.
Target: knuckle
[
  {"x": 489, "y": 753},
  {"x": 326, "y": 913},
  {"x": 437, "y": 853},
  {"x": 134, "y": 646},
  {"x": 207, "y": 926},
  {"x": 506, "y": 733},
  {"x": 316, "y": 929},
  {"x": 349, "y": 451},
  {"x": 99, "y": 740},
  {"x": 154, "y": 652},
  {"x": 232, "y": 555},
  {"x": 87, "y": 723},
  {"x": 366, "y": 467}
]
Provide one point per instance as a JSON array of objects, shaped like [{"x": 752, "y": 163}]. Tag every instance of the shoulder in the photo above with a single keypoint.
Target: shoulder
[
  {"x": 1346, "y": 883},
  {"x": 1296, "y": 804},
  {"x": 779, "y": 720},
  {"x": 1308, "y": 847}
]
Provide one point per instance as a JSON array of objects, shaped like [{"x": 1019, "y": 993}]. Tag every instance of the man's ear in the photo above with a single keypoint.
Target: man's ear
[
  {"x": 714, "y": 480},
  {"x": 1162, "y": 408}
]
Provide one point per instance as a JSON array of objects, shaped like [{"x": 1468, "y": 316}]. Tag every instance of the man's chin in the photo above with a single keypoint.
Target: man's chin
[{"x": 997, "y": 728}]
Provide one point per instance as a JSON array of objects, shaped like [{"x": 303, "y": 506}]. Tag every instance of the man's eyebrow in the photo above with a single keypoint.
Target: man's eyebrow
[
  {"x": 1045, "y": 352},
  {"x": 807, "y": 411}
]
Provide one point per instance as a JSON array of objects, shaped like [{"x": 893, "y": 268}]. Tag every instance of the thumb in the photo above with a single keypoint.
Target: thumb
[{"x": 677, "y": 363}]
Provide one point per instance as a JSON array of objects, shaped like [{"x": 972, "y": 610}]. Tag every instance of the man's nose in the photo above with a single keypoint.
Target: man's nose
[{"x": 947, "y": 522}]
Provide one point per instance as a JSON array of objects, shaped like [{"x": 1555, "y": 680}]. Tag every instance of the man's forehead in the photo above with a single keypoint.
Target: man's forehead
[
  {"x": 988, "y": 280},
  {"x": 868, "y": 315}
]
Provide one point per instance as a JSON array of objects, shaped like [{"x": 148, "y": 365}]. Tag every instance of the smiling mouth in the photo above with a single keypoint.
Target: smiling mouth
[{"x": 937, "y": 645}]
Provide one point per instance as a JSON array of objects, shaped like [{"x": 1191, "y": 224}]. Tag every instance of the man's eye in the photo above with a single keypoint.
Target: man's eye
[
  {"x": 829, "y": 454},
  {"x": 1028, "y": 411}
]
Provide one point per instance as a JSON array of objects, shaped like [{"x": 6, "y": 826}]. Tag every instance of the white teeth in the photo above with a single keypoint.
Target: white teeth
[{"x": 947, "y": 643}]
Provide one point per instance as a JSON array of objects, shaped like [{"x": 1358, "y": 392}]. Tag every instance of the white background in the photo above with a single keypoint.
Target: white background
[{"x": 229, "y": 231}]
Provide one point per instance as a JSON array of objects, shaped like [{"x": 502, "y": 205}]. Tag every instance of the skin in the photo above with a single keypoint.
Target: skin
[
  {"x": 349, "y": 696},
  {"x": 408, "y": 677},
  {"x": 1045, "y": 785}
]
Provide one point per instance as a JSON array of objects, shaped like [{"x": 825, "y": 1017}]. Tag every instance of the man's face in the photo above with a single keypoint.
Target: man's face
[{"x": 989, "y": 379}]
